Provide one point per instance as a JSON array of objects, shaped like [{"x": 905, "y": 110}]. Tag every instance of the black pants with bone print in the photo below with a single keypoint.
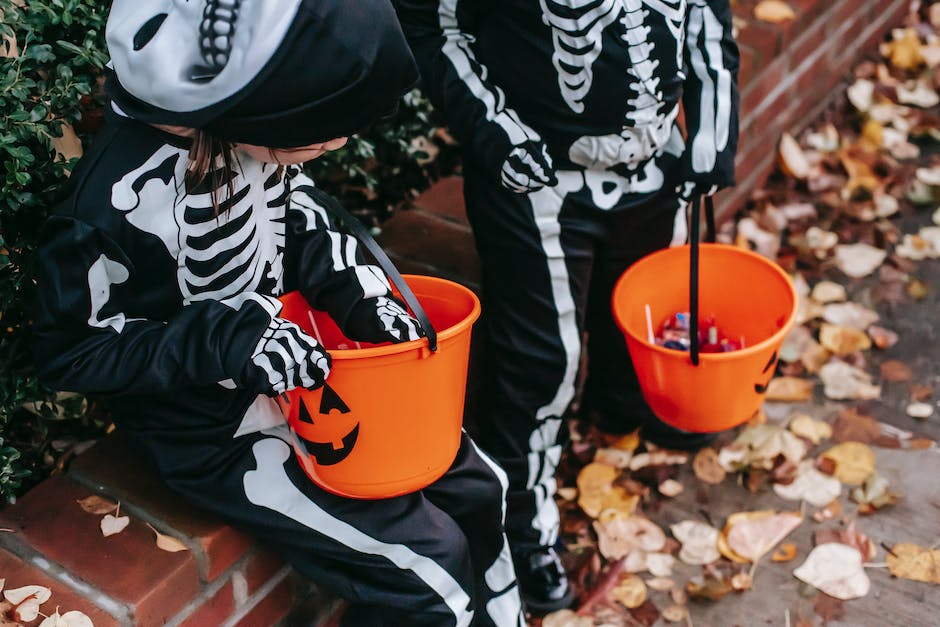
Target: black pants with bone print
[
  {"x": 434, "y": 558},
  {"x": 550, "y": 260}
]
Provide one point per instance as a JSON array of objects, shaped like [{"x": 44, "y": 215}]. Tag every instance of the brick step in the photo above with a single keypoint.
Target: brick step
[{"x": 225, "y": 578}]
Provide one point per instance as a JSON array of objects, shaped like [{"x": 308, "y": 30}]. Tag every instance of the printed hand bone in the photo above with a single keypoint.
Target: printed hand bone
[
  {"x": 382, "y": 319},
  {"x": 528, "y": 168},
  {"x": 286, "y": 358}
]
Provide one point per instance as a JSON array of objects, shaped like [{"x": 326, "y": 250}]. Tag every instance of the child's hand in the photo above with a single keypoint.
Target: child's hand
[
  {"x": 286, "y": 358},
  {"x": 528, "y": 168},
  {"x": 381, "y": 319}
]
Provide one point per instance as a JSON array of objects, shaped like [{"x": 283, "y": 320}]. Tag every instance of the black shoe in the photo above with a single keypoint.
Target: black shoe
[{"x": 543, "y": 583}]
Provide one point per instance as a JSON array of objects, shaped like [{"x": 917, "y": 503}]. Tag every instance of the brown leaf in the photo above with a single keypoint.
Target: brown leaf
[
  {"x": 920, "y": 392},
  {"x": 910, "y": 561},
  {"x": 706, "y": 466},
  {"x": 647, "y": 614},
  {"x": 852, "y": 426},
  {"x": 894, "y": 370},
  {"x": 829, "y": 608},
  {"x": 882, "y": 338},
  {"x": 850, "y": 536},
  {"x": 709, "y": 587},
  {"x": 97, "y": 505}
]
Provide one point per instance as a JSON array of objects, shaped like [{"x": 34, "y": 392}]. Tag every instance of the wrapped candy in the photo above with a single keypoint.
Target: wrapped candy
[{"x": 674, "y": 334}]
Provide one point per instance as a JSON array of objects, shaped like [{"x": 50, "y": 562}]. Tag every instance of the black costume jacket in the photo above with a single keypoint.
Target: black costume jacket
[
  {"x": 598, "y": 81},
  {"x": 148, "y": 298}
]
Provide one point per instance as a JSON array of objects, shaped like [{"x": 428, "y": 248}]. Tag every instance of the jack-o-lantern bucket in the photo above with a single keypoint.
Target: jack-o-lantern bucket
[
  {"x": 388, "y": 421},
  {"x": 748, "y": 295}
]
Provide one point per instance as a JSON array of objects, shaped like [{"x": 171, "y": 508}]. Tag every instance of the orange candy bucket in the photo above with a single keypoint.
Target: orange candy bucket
[
  {"x": 747, "y": 294},
  {"x": 388, "y": 421}
]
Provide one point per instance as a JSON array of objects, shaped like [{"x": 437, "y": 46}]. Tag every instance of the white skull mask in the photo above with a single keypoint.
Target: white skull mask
[{"x": 187, "y": 55}]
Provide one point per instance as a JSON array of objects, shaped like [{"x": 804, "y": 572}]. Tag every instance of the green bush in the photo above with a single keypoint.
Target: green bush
[{"x": 51, "y": 57}]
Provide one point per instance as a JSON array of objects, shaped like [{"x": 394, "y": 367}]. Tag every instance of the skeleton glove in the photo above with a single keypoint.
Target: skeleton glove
[
  {"x": 381, "y": 319},
  {"x": 528, "y": 168},
  {"x": 689, "y": 190},
  {"x": 286, "y": 358}
]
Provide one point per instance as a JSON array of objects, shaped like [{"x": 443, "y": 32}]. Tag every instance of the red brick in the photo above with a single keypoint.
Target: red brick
[
  {"x": 127, "y": 566},
  {"x": 746, "y": 71},
  {"x": 810, "y": 10},
  {"x": 764, "y": 39},
  {"x": 813, "y": 79},
  {"x": 271, "y": 609},
  {"x": 214, "y": 611},
  {"x": 112, "y": 467},
  {"x": 766, "y": 82},
  {"x": 444, "y": 199},
  {"x": 18, "y": 573},
  {"x": 813, "y": 37},
  {"x": 441, "y": 244},
  {"x": 260, "y": 568}
]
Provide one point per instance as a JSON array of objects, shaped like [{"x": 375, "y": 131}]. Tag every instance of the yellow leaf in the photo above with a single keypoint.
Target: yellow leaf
[
  {"x": 630, "y": 592},
  {"x": 904, "y": 51},
  {"x": 168, "y": 543},
  {"x": 773, "y": 11},
  {"x": 784, "y": 553},
  {"x": 909, "y": 561},
  {"x": 750, "y": 535},
  {"x": 854, "y": 462},
  {"x": 790, "y": 389},
  {"x": 843, "y": 340}
]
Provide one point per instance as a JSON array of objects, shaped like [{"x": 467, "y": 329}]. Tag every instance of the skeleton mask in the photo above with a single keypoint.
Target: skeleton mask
[{"x": 187, "y": 55}]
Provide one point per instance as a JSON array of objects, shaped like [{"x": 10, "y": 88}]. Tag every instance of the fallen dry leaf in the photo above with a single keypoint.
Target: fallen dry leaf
[
  {"x": 670, "y": 488},
  {"x": 874, "y": 494},
  {"x": 764, "y": 443},
  {"x": 112, "y": 524},
  {"x": 774, "y": 11},
  {"x": 854, "y": 462},
  {"x": 614, "y": 457},
  {"x": 567, "y": 618},
  {"x": 903, "y": 51},
  {"x": 660, "y": 457},
  {"x": 844, "y": 382},
  {"x": 676, "y": 613},
  {"x": 882, "y": 338},
  {"x": 67, "y": 145},
  {"x": 850, "y": 315},
  {"x": 829, "y": 512},
  {"x": 790, "y": 389},
  {"x": 168, "y": 543},
  {"x": 699, "y": 542},
  {"x": 630, "y": 592},
  {"x": 748, "y": 536},
  {"x": 828, "y": 292},
  {"x": 894, "y": 370},
  {"x": 97, "y": 505},
  {"x": 835, "y": 569},
  {"x": 742, "y": 582},
  {"x": 709, "y": 587},
  {"x": 660, "y": 564},
  {"x": 853, "y": 426},
  {"x": 850, "y": 536},
  {"x": 618, "y": 535},
  {"x": 784, "y": 553},
  {"x": 807, "y": 427},
  {"x": 792, "y": 159},
  {"x": 910, "y": 561},
  {"x": 18, "y": 595},
  {"x": 661, "y": 584},
  {"x": 858, "y": 260},
  {"x": 861, "y": 94},
  {"x": 843, "y": 340},
  {"x": 811, "y": 486},
  {"x": 73, "y": 618},
  {"x": 706, "y": 467}
]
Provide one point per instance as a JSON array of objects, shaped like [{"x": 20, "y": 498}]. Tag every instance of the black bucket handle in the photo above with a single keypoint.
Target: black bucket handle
[
  {"x": 710, "y": 236},
  {"x": 356, "y": 228}
]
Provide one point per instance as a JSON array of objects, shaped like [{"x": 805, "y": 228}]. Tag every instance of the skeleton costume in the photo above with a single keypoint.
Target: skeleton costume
[
  {"x": 168, "y": 308},
  {"x": 575, "y": 167}
]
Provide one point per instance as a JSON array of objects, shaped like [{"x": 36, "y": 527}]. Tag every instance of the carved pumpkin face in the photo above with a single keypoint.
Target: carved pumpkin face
[
  {"x": 761, "y": 388},
  {"x": 330, "y": 434}
]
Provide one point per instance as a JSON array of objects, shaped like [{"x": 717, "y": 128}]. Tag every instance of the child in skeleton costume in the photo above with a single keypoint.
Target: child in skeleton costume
[
  {"x": 158, "y": 291},
  {"x": 575, "y": 167}
]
